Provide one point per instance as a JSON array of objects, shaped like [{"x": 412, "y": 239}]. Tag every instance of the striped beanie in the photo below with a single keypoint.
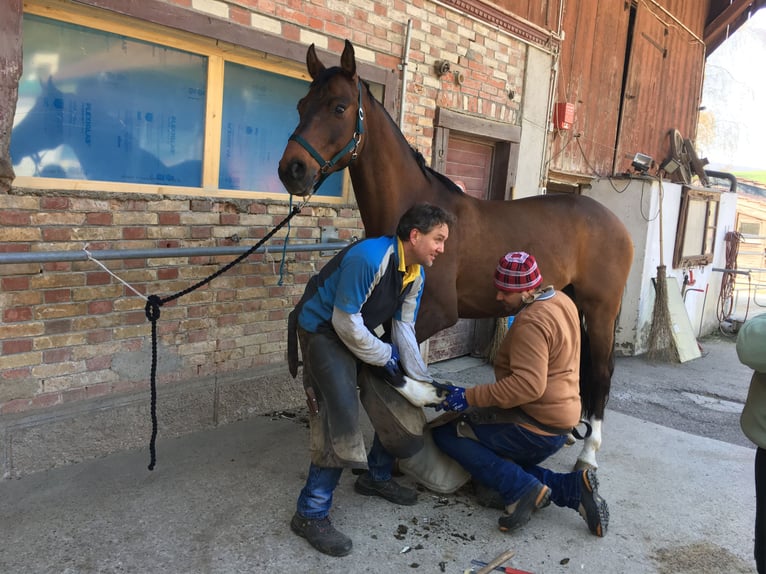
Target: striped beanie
[{"x": 517, "y": 272}]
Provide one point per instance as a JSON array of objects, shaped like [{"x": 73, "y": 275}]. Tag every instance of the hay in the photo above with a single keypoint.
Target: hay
[{"x": 501, "y": 328}]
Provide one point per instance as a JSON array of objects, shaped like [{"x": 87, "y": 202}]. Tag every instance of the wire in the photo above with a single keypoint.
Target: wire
[{"x": 725, "y": 305}]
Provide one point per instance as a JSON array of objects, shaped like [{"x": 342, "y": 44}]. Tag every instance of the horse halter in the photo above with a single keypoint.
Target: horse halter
[{"x": 351, "y": 146}]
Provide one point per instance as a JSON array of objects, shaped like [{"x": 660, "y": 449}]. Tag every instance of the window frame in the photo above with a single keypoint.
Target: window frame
[
  {"x": 709, "y": 228},
  {"x": 173, "y": 26}
]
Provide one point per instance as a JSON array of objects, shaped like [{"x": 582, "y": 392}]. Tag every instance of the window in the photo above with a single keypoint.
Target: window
[
  {"x": 752, "y": 228},
  {"x": 105, "y": 101},
  {"x": 697, "y": 223}
]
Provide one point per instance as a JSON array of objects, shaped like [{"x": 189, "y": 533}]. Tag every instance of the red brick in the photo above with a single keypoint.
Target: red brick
[
  {"x": 17, "y": 346},
  {"x": 20, "y": 373},
  {"x": 239, "y": 15},
  {"x": 15, "y": 283},
  {"x": 95, "y": 337},
  {"x": 98, "y": 278},
  {"x": 99, "y": 363},
  {"x": 11, "y": 217},
  {"x": 57, "y": 266},
  {"x": 56, "y": 234},
  {"x": 17, "y": 314},
  {"x": 134, "y": 233},
  {"x": 14, "y": 248},
  {"x": 57, "y": 295},
  {"x": 103, "y": 218},
  {"x": 100, "y": 307},
  {"x": 229, "y": 219},
  {"x": 200, "y": 205},
  {"x": 57, "y": 356},
  {"x": 169, "y": 218},
  {"x": 201, "y": 232},
  {"x": 54, "y": 203},
  {"x": 168, "y": 273}
]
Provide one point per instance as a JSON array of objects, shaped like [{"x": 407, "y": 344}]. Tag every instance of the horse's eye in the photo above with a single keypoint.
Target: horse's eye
[{"x": 339, "y": 109}]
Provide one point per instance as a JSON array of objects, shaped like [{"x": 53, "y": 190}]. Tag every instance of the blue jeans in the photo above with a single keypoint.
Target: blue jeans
[
  {"x": 315, "y": 499},
  {"x": 506, "y": 459}
]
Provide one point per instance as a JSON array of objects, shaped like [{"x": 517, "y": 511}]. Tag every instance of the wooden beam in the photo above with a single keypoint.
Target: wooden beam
[{"x": 718, "y": 26}]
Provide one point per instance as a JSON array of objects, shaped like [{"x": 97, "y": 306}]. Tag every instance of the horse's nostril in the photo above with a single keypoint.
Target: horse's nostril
[{"x": 297, "y": 170}]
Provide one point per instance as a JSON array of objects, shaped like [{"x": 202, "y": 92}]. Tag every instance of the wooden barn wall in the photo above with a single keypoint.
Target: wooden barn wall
[
  {"x": 664, "y": 79},
  {"x": 591, "y": 61},
  {"x": 661, "y": 90}
]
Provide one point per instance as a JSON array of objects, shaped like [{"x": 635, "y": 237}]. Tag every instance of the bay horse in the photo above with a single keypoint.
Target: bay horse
[{"x": 580, "y": 245}]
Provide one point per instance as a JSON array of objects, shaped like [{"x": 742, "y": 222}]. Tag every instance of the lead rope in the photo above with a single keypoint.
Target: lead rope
[{"x": 152, "y": 311}]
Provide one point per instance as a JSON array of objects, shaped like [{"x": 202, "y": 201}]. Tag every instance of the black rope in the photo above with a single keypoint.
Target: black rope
[{"x": 152, "y": 311}]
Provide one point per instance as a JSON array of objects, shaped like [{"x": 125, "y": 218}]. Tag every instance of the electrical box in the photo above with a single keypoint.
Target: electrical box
[{"x": 563, "y": 116}]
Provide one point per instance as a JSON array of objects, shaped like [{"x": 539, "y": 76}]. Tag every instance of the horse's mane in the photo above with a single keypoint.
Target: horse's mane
[{"x": 451, "y": 186}]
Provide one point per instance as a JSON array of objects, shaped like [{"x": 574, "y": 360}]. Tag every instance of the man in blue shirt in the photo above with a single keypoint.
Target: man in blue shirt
[{"x": 356, "y": 325}]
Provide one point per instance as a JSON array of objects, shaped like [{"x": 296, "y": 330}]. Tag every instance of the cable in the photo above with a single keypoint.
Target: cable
[{"x": 725, "y": 305}]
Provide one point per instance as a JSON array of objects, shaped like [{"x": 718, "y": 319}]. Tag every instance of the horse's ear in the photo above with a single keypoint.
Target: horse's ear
[
  {"x": 347, "y": 60},
  {"x": 315, "y": 67}
]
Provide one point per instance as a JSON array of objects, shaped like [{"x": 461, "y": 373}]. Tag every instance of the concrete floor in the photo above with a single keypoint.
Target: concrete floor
[{"x": 220, "y": 501}]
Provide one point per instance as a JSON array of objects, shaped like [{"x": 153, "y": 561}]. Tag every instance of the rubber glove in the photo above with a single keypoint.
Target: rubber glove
[
  {"x": 454, "y": 401},
  {"x": 392, "y": 370}
]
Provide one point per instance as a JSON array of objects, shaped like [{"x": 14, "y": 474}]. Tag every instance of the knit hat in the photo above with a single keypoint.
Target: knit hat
[{"x": 517, "y": 272}]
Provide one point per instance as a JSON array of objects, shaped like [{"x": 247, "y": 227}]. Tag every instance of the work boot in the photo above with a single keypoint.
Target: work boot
[
  {"x": 593, "y": 508},
  {"x": 488, "y": 497},
  {"x": 519, "y": 513},
  {"x": 388, "y": 489},
  {"x": 322, "y": 535}
]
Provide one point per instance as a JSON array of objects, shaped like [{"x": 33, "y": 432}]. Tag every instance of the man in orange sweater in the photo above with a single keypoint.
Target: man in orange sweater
[{"x": 510, "y": 426}]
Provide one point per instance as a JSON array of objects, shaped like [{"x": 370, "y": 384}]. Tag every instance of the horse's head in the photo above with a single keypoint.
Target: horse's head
[
  {"x": 329, "y": 132},
  {"x": 43, "y": 126}
]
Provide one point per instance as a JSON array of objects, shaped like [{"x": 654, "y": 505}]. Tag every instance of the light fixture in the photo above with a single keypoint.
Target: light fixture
[
  {"x": 641, "y": 162},
  {"x": 670, "y": 165}
]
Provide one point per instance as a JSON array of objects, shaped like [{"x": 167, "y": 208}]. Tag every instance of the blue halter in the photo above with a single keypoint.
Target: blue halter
[{"x": 351, "y": 146}]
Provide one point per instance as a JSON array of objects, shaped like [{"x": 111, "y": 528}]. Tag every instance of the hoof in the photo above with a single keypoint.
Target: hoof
[{"x": 582, "y": 465}]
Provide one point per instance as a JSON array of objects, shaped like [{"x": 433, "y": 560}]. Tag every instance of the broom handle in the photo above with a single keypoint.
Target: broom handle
[{"x": 662, "y": 255}]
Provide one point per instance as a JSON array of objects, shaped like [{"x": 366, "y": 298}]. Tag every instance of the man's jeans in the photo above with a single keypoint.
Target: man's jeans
[
  {"x": 315, "y": 499},
  {"x": 506, "y": 459}
]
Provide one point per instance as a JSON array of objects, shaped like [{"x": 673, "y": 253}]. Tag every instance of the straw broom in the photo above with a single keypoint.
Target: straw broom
[
  {"x": 662, "y": 346},
  {"x": 501, "y": 328}
]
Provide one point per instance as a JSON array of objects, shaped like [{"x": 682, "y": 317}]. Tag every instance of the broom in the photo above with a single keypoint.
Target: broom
[
  {"x": 501, "y": 328},
  {"x": 662, "y": 347}
]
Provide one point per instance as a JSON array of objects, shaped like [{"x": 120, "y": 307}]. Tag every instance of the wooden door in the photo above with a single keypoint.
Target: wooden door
[{"x": 469, "y": 164}]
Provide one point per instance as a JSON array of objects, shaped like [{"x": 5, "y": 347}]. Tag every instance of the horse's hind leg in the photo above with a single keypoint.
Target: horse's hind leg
[{"x": 596, "y": 374}]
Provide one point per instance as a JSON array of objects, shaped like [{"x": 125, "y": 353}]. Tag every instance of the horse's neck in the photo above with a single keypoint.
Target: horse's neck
[{"x": 387, "y": 179}]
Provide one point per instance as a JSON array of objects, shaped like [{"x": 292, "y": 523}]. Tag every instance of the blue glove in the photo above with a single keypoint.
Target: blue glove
[
  {"x": 454, "y": 401},
  {"x": 392, "y": 372}
]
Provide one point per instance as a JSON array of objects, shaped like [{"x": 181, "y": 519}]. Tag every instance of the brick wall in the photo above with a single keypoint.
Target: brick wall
[{"x": 71, "y": 332}]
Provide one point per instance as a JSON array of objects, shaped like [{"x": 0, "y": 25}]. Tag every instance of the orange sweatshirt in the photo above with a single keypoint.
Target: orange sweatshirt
[{"x": 538, "y": 365}]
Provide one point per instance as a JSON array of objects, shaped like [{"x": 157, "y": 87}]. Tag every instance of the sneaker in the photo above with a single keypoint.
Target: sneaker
[
  {"x": 322, "y": 535},
  {"x": 593, "y": 508},
  {"x": 519, "y": 513},
  {"x": 388, "y": 489}
]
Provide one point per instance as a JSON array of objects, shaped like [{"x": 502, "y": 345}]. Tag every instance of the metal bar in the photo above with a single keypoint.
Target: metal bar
[{"x": 111, "y": 254}]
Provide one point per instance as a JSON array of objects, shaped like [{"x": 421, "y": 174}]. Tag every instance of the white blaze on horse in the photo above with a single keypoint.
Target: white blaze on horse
[{"x": 582, "y": 248}]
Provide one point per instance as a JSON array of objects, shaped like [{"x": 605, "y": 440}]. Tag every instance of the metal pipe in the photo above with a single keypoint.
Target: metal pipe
[
  {"x": 405, "y": 63},
  {"x": 107, "y": 254}
]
